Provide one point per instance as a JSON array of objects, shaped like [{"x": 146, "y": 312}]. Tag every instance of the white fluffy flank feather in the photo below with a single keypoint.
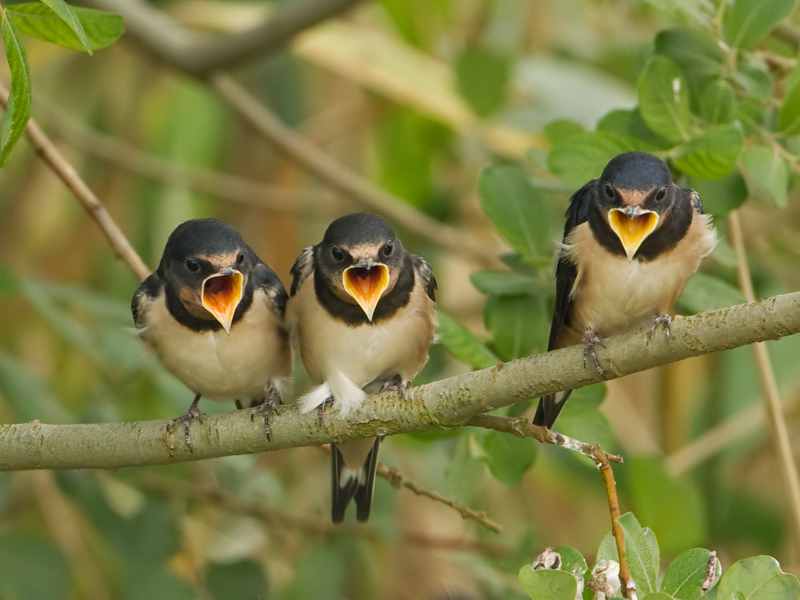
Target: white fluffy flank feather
[{"x": 347, "y": 396}]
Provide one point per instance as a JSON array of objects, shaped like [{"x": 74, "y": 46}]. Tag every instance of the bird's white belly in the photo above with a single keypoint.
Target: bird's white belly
[{"x": 217, "y": 365}]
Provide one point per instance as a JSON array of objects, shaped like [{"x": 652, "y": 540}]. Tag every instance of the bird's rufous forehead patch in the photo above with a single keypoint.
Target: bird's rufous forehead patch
[
  {"x": 220, "y": 261},
  {"x": 363, "y": 251},
  {"x": 635, "y": 197}
]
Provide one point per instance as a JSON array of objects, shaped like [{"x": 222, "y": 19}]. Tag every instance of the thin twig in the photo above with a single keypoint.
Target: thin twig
[
  {"x": 397, "y": 480},
  {"x": 56, "y": 161},
  {"x": 522, "y": 427},
  {"x": 278, "y": 519},
  {"x": 229, "y": 187},
  {"x": 348, "y": 182},
  {"x": 771, "y": 395}
]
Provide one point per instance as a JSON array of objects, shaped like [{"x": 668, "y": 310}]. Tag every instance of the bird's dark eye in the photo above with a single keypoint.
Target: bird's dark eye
[
  {"x": 609, "y": 191},
  {"x": 337, "y": 254},
  {"x": 388, "y": 248},
  {"x": 240, "y": 259},
  {"x": 192, "y": 265},
  {"x": 662, "y": 193}
]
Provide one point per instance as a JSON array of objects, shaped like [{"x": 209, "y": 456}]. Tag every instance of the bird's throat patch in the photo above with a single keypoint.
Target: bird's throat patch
[
  {"x": 366, "y": 286},
  {"x": 632, "y": 231},
  {"x": 221, "y": 296}
]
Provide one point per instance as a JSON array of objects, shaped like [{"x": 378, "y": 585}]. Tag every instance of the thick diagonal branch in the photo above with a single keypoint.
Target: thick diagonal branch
[{"x": 447, "y": 403}]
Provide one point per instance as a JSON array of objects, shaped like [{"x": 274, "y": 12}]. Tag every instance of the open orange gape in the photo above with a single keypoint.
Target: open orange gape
[
  {"x": 222, "y": 293},
  {"x": 366, "y": 285},
  {"x": 632, "y": 227}
]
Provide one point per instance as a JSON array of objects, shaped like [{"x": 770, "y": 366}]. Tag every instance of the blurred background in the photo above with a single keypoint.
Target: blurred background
[{"x": 417, "y": 96}]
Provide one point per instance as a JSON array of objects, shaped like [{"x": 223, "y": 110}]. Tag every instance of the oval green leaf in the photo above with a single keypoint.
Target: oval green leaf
[
  {"x": 516, "y": 207},
  {"x": 712, "y": 154},
  {"x": 641, "y": 552},
  {"x": 718, "y": 102},
  {"x": 463, "y": 344},
  {"x": 747, "y": 21},
  {"x": 100, "y": 29},
  {"x": 548, "y": 584},
  {"x": 721, "y": 196},
  {"x": 508, "y": 456},
  {"x": 768, "y": 173},
  {"x": 18, "y": 111},
  {"x": 789, "y": 121},
  {"x": 685, "y": 576},
  {"x": 759, "y": 578},
  {"x": 579, "y": 158},
  {"x": 664, "y": 98}
]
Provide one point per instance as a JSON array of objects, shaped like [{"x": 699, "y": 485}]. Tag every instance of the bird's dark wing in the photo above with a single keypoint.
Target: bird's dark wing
[
  {"x": 150, "y": 288},
  {"x": 694, "y": 198},
  {"x": 423, "y": 269},
  {"x": 359, "y": 485},
  {"x": 303, "y": 267},
  {"x": 566, "y": 273},
  {"x": 266, "y": 279}
]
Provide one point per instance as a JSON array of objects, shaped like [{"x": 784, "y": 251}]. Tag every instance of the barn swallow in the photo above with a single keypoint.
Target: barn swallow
[
  {"x": 363, "y": 313},
  {"x": 631, "y": 242},
  {"x": 213, "y": 314}
]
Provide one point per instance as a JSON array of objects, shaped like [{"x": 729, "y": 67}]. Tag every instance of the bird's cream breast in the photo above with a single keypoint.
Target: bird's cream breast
[
  {"x": 398, "y": 345},
  {"x": 612, "y": 294},
  {"x": 217, "y": 365}
]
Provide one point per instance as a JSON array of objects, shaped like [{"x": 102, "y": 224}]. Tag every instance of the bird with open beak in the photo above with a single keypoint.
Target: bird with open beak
[
  {"x": 631, "y": 242},
  {"x": 363, "y": 314},
  {"x": 213, "y": 314}
]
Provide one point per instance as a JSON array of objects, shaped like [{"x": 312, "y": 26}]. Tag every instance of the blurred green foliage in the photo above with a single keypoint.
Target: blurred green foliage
[{"x": 711, "y": 87}]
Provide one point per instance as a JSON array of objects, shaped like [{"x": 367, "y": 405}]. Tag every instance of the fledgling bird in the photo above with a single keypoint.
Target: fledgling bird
[
  {"x": 213, "y": 314},
  {"x": 631, "y": 242},
  {"x": 362, "y": 311}
]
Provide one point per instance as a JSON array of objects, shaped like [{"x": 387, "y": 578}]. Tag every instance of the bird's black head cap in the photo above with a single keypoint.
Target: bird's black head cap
[
  {"x": 357, "y": 229},
  {"x": 202, "y": 236},
  {"x": 636, "y": 171}
]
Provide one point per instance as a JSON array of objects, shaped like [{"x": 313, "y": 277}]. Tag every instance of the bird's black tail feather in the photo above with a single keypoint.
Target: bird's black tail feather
[
  {"x": 550, "y": 407},
  {"x": 347, "y": 484}
]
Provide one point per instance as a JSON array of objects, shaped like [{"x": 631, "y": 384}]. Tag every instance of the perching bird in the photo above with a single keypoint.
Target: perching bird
[
  {"x": 362, "y": 312},
  {"x": 213, "y": 314},
  {"x": 631, "y": 242}
]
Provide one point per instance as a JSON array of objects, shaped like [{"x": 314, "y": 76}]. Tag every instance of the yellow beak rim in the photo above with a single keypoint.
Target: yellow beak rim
[
  {"x": 221, "y": 294},
  {"x": 632, "y": 231},
  {"x": 366, "y": 285}
]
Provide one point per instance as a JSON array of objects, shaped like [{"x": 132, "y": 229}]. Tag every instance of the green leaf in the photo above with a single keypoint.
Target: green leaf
[
  {"x": 712, "y": 154},
  {"x": 572, "y": 561},
  {"x": 658, "y": 596},
  {"x": 753, "y": 75},
  {"x": 18, "y": 111},
  {"x": 758, "y": 578},
  {"x": 482, "y": 77},
  {"x": 747, "y": 21},
  {"x": 629, "y": 123},
  {"x": 722, "y": 195},
  {"x": 641, "y": 552},
  {"x": 518, "y": 325},
  {"x": 99, "y": 29},
  {"x": 718, "y": 102},
  {"x": 664, "y": 98},
  {"x": 500, "y": 283},
  {"x": 548, "y": 584},
  {"x": 582, "y": 157},
  {"x": 582, "y": 419},
  {"x": 63, "y": 11},
  {"x": 706, "y": 292},
  {"x": 516, "y": 207},
  {"x": 608, "y": 548},
  {"x": 584, "y": 399},
  {"x": 463, "y": 344},
  {"x": 508, "y": 456},
  {"x": 695, "y": 52},
  {"x": 560, "y": 129},
  {"x": 768, "y": 174},
  {"x": 685, "y": 576},
  {"x": 789, "y": 121},
  {"x": 241, "y": 580}
]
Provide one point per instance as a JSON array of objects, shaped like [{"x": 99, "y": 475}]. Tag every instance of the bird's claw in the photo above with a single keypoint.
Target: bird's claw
[
  {"x": 665, "y": 320},
  {"x": 395, "y": 385},
  {"x": 590, "y": 340},
  {"x": 191, "y": 414},
  {"x": 268, "y": 407}
]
